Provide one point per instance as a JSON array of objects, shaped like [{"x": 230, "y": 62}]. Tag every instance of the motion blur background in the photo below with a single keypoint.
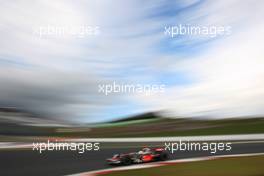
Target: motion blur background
[
  {"x": 55, "y": 55},
  {"x": 57, "y": 76}
]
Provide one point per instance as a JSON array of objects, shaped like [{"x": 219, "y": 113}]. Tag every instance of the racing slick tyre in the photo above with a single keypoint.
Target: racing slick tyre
[
  {"x": 163, "y": 156},
  {"x": 126, "y": 161}
]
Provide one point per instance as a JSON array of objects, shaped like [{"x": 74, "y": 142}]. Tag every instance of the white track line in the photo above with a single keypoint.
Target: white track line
[
  {"x": 14, "y": 145},
  {"x": 150, "y": 165},
  {"x": 182, "y": 138},
  {"x": 245, "y": 138}
]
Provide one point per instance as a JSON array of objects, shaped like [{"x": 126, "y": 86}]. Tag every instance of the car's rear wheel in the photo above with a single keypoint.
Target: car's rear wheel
[{"x": 126, "y": 161}]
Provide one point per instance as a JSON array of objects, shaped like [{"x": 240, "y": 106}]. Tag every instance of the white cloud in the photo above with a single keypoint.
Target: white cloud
[
  {"x": 229, "y": 76},
  {"x": 34, "y": 70}
]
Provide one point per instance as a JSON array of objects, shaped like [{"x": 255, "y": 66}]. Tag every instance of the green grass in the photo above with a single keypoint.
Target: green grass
[
  {"x": 221, "y": 130},
  {"x": 127, "y": 123},
  {"x": 182, "y": 128},
  {"x": 153, "y": 128},
  {"x": 241, "y": 166}
]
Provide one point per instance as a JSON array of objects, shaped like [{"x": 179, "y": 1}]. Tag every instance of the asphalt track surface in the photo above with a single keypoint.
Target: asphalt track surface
[{"x": 55, "y": 163}]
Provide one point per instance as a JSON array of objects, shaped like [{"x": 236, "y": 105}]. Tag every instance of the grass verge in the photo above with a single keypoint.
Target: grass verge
[{"x": 240, "y": 166}]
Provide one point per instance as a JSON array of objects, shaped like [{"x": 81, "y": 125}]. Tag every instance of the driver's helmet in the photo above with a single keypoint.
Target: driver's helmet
[
  {"x": 146, "y": 150},
  {"x": 140, "y": 152},
  {"x": 116, "y": 156}
]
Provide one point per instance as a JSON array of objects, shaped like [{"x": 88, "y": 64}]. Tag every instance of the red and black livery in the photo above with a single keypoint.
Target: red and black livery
[{"x": 143, "y": 156}]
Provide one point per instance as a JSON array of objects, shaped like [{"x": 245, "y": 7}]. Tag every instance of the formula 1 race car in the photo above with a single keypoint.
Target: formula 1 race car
[{"x": 143, "y": 156}]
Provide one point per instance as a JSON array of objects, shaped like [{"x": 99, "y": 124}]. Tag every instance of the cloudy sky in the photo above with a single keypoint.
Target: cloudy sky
[{"x": 57, "y": 74}]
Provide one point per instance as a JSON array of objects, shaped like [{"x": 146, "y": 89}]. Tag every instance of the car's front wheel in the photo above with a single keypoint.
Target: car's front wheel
[{"x": 164, "y": 156}]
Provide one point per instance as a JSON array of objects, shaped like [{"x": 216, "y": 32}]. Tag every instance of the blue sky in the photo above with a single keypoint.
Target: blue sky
[{"x": 59, "y": 75}]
